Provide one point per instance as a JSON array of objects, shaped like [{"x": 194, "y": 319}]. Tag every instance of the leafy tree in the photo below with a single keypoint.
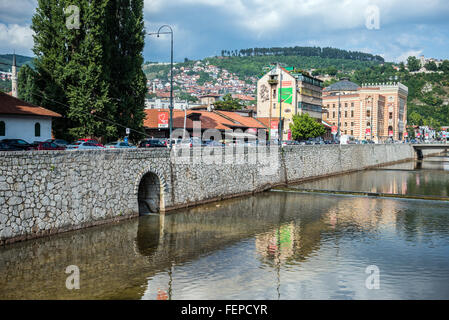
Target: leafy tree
[
  {"x": 305, "y": 127},
  {"x": 187, "y": 97},
  {"x": 228, "y": 104},
  {"x": 444, "y": 66},
  {"x": 413, "y": 64},
  {"x": 27, "y": 89},
  {"x": 431, "y": 66},
  {"x": 92, "y": 75}
]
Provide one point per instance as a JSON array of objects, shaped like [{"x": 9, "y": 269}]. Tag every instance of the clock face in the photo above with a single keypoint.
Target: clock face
[
  {"x": 391, "y": 98},
  {"x": 264, "y": 93}
]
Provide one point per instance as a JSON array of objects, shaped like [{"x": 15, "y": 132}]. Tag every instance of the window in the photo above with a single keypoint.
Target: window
[
  {"x": 333, "y": 114},
  {"x": 352, "y": 124},
  {"x": 274, "y": 105},
  {"x": 333, "y": 106},
  {"x": 352, "y": 132},
  {"x": 352, "y": 104},
  {"x": 346, "y": 104},
  {"x": 346, "y": 114},
  {"x": 368, "y": 113},
  {"x": 352, "y": 114},
  {"x": 368, "y": 124},
  {"x": 37, "y": 129},
  {"x": 2, "y": 128},
  {"x": 391, "y": 115},
  {"x": 346, "y": 124}
]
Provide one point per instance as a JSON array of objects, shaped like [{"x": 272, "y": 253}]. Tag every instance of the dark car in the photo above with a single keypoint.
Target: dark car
[
  {"x": 59, "y": 142},
  {"x": 48, "y": 146},
  {"x": 152, "y": 143},
  {"x": 7, "y": 147},
  {"x": 18, "y": 143}
]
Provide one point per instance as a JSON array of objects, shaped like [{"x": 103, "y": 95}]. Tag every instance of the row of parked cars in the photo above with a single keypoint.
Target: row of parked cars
[{"x": 59, "y": 144}]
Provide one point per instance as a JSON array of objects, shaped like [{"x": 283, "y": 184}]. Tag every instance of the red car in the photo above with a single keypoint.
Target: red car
[
  {"x": 47, "y": 146},
  {"x": 95, "y": 142}
]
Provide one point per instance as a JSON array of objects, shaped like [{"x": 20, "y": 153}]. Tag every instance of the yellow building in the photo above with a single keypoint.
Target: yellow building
[{"x": 300, "y": 93}]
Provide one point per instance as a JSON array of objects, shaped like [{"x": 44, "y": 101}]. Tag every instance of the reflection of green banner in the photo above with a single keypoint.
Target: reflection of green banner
[{"x": 287, "y": 95}]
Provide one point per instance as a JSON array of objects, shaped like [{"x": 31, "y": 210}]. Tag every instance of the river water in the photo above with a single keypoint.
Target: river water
[{"x": 283, "y": 244}]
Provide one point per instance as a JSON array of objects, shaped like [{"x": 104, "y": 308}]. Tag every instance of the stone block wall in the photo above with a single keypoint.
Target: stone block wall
[{"x": 46, "y": 192}]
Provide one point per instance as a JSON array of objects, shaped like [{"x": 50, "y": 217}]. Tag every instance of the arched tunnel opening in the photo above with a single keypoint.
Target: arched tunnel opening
[
  {"x": 149, "y": 196},
  {"x": 420, "y": 154}
]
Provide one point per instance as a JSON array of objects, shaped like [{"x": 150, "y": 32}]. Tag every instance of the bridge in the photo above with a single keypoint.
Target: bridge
[
  {"x": 435, "y": 146},
  {"x": 47, "y": 192}
]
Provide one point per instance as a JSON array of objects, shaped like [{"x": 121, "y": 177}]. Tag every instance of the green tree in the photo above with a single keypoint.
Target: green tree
[
  {"x": 91, "y": 75},
  {"x": 228, "y": 104},
  {"x": 305, "y": 127},
  {"x": 187, "y": 97},
  {"x": 26, "y": 85},
  {"x": 444, "y": 66},
  {"x": 431, "y": 66},
  {"x": 413, "y": 64}
]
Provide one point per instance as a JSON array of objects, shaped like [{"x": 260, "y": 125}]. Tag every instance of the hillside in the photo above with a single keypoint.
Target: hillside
[
  {"x": 5, "y": 66},
  {"x": 6, "y": 61},
  {"x": 428, "y": 101}
]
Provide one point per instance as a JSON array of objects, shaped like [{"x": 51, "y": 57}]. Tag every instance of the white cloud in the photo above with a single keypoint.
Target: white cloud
[
  {"x": 16, "y": 37},
  {"x": 403, "y": 57}
]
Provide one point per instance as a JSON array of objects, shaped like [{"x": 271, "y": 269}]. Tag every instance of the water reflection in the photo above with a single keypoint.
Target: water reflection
[
  {"x": 422, "y": 178},
  {"x": 270, "y": 246}
]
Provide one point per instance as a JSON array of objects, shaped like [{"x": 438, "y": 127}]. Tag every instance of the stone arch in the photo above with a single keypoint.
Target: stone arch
[{"x": 150, "y": 190}]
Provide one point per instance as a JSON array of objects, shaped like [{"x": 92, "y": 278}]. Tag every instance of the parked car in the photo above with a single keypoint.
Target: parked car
[
  {"x": 93, "y": 141},
  {"x": 152, "y": 143},
  {"x": 48, "y": 146},
  {"x": 58, "y": 142},
  {"x": 290, "y": 143},
  {"x": 79, "y": 145},
  {"x": 213, "y": 143},
  {"x": 18, "y": 143},
  {"x": 7, "y": 147},
  {"x": 119, "y": 145}
]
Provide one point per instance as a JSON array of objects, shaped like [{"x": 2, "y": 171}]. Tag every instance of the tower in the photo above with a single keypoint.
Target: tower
[{"x": 14, "y": 77}]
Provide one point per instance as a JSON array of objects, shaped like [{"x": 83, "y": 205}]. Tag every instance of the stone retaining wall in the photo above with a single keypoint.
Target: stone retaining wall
[{"x": 46, "y": 192}]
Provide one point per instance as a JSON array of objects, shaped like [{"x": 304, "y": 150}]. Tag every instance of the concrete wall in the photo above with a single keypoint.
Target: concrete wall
[{"x": 46, "y": 192}]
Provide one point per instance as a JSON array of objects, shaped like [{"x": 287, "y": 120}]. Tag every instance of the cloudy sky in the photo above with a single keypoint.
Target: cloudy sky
[{"x": 204, "y": 27}]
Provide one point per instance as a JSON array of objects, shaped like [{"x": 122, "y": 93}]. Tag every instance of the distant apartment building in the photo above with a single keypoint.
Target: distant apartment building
[
  {"x": 300, "y": 93},
  {"x": 373, "y": 111}
]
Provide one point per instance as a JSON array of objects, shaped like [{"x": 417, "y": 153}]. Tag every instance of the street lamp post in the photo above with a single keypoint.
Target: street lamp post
[
  {"x": 171, "y": 75},
  {"x": 280, "y": 107}
]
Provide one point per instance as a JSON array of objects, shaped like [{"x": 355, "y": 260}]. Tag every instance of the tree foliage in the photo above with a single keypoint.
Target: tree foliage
[
  {"x": 413, "y": 64},
  {"x": 92, "y": 75},
  {"x": 228, "y": 104},
  {"x": 305, "y": 127}
]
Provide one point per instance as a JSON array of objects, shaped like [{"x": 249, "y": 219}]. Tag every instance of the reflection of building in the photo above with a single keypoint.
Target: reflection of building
[
  {"x": 278, "y": 243},
  {"x": 375, "y": 112},
  {"x": 300, "y": 93}
]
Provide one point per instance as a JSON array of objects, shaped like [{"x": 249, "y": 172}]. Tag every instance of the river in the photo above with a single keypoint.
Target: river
[{"x": 300, "y": 243}]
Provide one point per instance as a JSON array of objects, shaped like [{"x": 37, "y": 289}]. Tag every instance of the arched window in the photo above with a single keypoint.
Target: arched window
[
  {"x": 2, "y": 128},
  {"x": 37, "y": 129}
]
